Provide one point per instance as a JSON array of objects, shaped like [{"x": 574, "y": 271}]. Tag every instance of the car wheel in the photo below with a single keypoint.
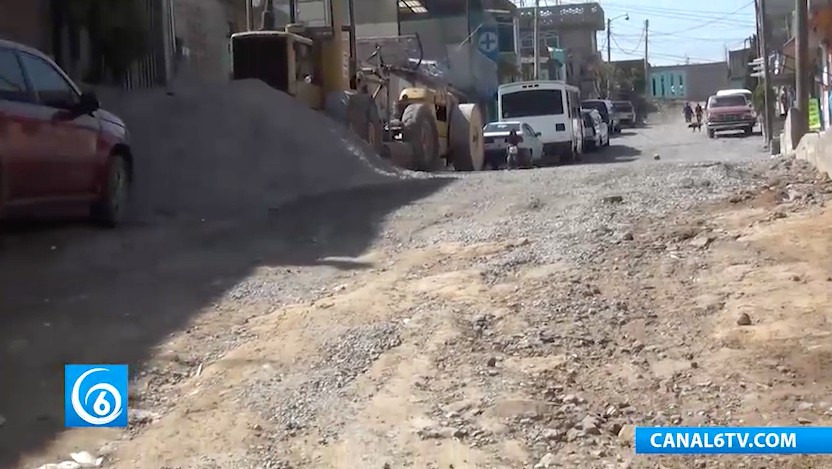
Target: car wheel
[{"x": 110, "y": 211}]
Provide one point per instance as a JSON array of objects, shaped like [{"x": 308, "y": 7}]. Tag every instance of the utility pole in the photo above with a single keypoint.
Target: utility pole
[
  {"x": 610, "y": 72},
  {"x": 646, "y": 58},
  {"x": 768, "y": 115},
  {"x": 802, "y": 73},
  {"x": 537, "y": 39},
  {"x": 248, "y": 15}
]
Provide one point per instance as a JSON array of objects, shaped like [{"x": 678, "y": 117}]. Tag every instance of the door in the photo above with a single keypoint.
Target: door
[
  {"x": 534, "y": 142},
  {"x": 72, "y": 140},
  {"x": 21, "y": 132}
]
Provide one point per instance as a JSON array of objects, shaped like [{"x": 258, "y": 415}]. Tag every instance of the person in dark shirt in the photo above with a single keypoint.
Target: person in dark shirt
[
  {"x": 688, "y": 113},
  {"x": 698, "y": 112},
  {"x": 513, "y": 138}
]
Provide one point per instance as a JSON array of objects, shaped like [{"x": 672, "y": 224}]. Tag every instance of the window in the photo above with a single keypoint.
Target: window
[
  {"x": 12, "y": 84},
  {"x": 502, "y": 127},
  {"x": 551, "y": 41},
  {"x": 599, "y": 106},
  {"x": 728, "y": 101},
  {"x": 505, "y": 37},
  {"x": 52, "y": 89},
  {"x": 532, "y": 103}
]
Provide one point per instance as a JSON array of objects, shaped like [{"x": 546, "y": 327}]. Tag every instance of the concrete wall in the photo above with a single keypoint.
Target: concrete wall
[
  {"x": 27, "y": 22},
  {"x": 202, "y": 26}
]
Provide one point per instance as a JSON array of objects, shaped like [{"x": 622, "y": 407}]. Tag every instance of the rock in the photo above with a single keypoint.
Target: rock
[
  {"x": 589, "y": 425},
  {"x": 573, "y": 434},
  {"x": 569, "y": 399},
  {"x": 744, "y": 320},
  {"x": 546, "y": 461},
  {"x": 431, "y": 433},
  {"x": 702, "y": 240},
  {"x": 86, "y": 459},
  {"x": 626, "y": 236},
  {"x": 613, "y": 199},
  {"x": 611, "y": 411},
  {"x": 657, "y": 157},
  {"x": 805, "y": 406},
  {"x": 492, "y": 362},
  {"x": 460, "y": 433},
  {"x": 803, "y": 420},
  {"x": 143, "y": 416},
  {"x": 552, "y": 434},
  {"x": 614, "y": 428},
  {"x": 627, "y": 435}
]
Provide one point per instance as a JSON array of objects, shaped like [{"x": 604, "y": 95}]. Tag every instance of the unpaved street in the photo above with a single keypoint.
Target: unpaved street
[{"x": 501, "y": 319}]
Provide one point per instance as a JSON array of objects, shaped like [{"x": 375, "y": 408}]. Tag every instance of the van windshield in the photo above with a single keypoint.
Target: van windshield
[
  {"x": 733, "y": 100},
  {"x": 529, "y": 103}
]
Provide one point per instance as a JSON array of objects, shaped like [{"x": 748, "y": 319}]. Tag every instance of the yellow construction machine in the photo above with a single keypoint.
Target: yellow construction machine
[
  {"x": 316, "y": 63},
  {"x": 428, "y": 125}
]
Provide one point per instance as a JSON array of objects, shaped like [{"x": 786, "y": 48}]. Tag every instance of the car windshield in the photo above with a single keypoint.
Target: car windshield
[
  {"x": 624, "y": 106},
  {"x": 532, "y": 103},
  {"x": 502, "y": 127},
  {"x": 728, "y": 101},
  {"x": 599, "y": 106}
]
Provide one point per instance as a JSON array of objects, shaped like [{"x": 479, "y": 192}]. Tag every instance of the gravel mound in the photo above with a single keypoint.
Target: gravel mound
[{"x": 236, "y": 150}]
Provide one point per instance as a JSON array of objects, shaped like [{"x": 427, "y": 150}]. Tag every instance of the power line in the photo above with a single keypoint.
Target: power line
[
  {"x": 617, "y": 45},
  {"x": 715, "y": 17}
]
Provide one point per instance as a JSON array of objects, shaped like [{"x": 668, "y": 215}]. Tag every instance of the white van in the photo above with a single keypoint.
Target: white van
[{"x": 552, "y": 108}]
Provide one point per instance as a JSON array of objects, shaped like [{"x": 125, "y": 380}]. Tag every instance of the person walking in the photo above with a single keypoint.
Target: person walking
[
  {"x": 698, "y": 111},
  {"x": 688, "y": 111}
]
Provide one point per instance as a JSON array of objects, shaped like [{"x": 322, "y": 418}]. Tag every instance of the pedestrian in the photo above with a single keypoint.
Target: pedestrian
[
  {"x": 688, "y": 111},
  {"x": 698, "y": 111}
]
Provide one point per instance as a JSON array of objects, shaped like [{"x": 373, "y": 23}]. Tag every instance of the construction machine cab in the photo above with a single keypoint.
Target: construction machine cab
[{"x": 309, "y": 54}]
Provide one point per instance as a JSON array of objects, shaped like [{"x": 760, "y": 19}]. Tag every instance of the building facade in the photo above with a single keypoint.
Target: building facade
[
  {"x": 567, "y": 49},
  {"x": 689, "y": 82}
]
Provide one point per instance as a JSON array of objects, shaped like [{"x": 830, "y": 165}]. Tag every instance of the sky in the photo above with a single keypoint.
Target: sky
[{"x": 698, "y": 31}]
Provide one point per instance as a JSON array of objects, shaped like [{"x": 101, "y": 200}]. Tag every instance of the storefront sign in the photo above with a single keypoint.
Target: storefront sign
[{"x": 814, "y": 115}]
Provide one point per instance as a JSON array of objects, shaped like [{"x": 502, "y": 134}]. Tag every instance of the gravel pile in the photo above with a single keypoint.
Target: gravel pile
[
  {"x": 236, "y": 149},
  {"x": 314, "y": 398},
  {"x": 564, "y": 215}
]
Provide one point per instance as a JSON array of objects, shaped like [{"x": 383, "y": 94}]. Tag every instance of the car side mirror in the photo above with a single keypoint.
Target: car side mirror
[
  {"x": 87, "y": 104},
  {"x": 538, "y": 134}
]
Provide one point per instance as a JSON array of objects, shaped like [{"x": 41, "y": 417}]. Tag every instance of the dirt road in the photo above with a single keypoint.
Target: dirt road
[{"x": 501, "y": 319}]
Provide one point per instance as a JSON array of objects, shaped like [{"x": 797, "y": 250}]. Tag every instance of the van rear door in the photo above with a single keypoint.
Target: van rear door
[{"x": 544, "y": 109}]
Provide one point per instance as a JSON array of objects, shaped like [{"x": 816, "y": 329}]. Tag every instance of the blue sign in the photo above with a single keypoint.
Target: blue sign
[
  {"x": 733, "y": 440},
  {"x": 488, "y": 42},
  {"x": 95, "y": 395}
]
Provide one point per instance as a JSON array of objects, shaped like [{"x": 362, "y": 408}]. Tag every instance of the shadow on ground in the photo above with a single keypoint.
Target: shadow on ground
[
  {"x": 72, "y": 294},
  {"x": 615, "y": 153}
]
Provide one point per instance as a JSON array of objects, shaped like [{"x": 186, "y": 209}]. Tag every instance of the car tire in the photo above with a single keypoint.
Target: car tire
[
  {"x": 111, "y": 210},
  {"x": 748, "y": 130},
  {"x": 711, "y": 133}
]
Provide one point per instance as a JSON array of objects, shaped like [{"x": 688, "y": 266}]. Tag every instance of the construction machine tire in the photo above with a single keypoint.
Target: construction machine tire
[
  {"x": 419, "y": 129},
  {"x": 466, "y": 141},
  {"x": 359, "y": 112}
]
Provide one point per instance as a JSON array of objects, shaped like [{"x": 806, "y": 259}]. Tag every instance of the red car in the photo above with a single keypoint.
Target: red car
[
  {"x": 730, "y": 112},
  {"x": 57, "y": 146}
]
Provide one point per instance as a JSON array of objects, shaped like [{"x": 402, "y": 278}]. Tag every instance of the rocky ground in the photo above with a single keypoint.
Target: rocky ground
[{"x": 524, "y": 319}]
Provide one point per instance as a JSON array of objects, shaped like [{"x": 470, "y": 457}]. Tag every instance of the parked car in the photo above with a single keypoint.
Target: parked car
[
  {"x": 596, "y": 133},
  {"x": 607, "y": 111},
  {"x": 625, "y": 112},
  {"x": 496, "y": 145},
  {"x": 58, "y": 147},
  {"x": 729, "y": 112}
]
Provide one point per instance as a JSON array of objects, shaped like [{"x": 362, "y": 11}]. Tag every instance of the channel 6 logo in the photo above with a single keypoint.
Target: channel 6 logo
[{"x": 95, "y": 395}]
